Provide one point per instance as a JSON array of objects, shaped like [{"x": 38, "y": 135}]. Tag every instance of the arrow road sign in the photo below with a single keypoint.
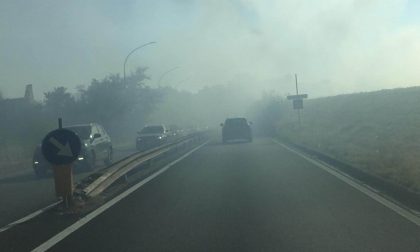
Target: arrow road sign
[
  {"x": 64, "y": 150},
  {"x": 61, "y": 146}
]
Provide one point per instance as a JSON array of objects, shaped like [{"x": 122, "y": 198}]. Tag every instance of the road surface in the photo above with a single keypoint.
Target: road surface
[
  {"x": 24, "y": 193},
  {"x": 239, "y": 197}
]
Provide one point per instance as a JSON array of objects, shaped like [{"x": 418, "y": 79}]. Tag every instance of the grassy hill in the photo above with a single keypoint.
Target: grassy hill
[{"x": 378, "y": 132}]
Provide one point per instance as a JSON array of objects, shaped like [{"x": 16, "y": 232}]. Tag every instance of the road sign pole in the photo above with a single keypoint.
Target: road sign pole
[
  {"x": 297, "y": 93},
  {"x": 300, "y": 121},
  {"x": 297, "y": 101},
  {"x": 63, "y": 178}
]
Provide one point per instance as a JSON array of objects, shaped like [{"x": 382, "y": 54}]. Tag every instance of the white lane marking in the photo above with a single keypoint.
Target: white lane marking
[
  {"x": 407, "y": 214},
  {"x": 32, "y": 215},
  {"x": 29, "y": 216},
  {"x": 66, "y": 232}
]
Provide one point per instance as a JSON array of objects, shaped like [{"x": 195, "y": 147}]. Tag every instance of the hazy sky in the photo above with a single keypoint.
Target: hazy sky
[{"x": 335, "y": 46}]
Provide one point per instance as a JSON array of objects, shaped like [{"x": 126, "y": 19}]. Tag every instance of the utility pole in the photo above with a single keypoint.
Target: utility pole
[
  {"x": 297, "y": 100},
  {"x": 297, "y": 93}
]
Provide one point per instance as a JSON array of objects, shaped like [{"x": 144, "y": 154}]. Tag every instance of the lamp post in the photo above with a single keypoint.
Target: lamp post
[
  {"x": 165, "y": 73},
  {"x": 132, "y": 51}
]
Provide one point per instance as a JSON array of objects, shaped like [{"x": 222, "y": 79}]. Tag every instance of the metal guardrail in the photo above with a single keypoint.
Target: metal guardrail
[{"x": 122, "y": 167}]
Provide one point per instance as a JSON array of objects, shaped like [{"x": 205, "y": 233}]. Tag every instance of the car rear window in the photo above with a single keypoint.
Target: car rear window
[
  {"x": 236, "y": 122},
  {"x": 152, "y": 130}
]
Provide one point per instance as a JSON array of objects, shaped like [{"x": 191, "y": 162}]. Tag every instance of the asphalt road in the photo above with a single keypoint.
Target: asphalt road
[
  {"x": 24, "y": 193},
  {"x": 245, "y": 197}
]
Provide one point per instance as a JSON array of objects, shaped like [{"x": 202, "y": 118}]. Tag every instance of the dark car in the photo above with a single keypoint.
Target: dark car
[
  {"x": 151, "y": 136},
  {"x": 96, "y": 145},
  {"x": 236, "y": 129},
  {"x": 174, "y": 131}
]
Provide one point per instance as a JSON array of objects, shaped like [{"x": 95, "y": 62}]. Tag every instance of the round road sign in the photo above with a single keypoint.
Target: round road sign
[{"x": 61, "y": 146}]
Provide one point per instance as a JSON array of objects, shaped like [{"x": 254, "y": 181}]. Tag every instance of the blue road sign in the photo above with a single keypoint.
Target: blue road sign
[
  {"x": 298, "y": 104},
  {"x": 61, "y": 146}
]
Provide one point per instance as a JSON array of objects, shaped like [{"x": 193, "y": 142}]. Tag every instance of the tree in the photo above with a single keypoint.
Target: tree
[
  {"x": 110, "y": 99},
  {"x": 59, "y": 102}
]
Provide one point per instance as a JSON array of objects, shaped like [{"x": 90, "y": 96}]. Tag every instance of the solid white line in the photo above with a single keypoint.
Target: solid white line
[
  {"x": 66, "y": 232},
  {"x": 28, "y": 217},
  {"x": 407, "y": 214}
]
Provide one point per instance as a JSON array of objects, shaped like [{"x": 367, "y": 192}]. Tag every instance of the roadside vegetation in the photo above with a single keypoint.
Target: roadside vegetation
[
  {"x": 378, "y": 132},
  {"x": 108, "y": 101},
  {"x": 122, "y": 108}
]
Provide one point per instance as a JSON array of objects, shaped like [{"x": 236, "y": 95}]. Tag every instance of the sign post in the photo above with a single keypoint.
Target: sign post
[
  {"x": 297, "y": 100},
  {"x": 60, "y": 148}
]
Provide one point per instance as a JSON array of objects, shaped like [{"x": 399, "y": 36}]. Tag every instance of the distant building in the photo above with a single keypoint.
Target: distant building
[{"x": 16, "y": 104}]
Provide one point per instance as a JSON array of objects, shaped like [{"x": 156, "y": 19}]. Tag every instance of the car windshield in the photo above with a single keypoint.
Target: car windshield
[
  {"x": 83, "y": 131},
  {"x": 152, "y": 130}
]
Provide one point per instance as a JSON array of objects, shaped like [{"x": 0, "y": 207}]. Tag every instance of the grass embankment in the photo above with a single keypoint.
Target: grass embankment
[{"x": 378, "y": 132}]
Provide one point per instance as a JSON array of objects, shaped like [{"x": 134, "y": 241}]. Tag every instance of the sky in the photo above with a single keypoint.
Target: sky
[{"x": 335, "y": 46}]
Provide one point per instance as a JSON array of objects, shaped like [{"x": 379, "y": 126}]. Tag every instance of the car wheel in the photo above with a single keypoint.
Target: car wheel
[
  {"x": 90, "y": 162},
  {"x": 108, "y": 159}
]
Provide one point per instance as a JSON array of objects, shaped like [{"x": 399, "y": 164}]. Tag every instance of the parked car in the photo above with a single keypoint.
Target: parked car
[
  {"x": 96, "y": 145},
  {"x": 236, "y": 129},
  {"x": 151, "y": 136}
]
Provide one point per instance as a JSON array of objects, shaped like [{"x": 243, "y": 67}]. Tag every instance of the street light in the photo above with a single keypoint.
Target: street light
[
  {"x": 182, "y": 81},
  {"x": 132, "y": 51},
  {"x": 165, "y": 73}
]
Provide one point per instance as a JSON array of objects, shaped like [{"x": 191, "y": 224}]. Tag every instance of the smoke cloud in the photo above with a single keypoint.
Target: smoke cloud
[{"x": 335, "y": 46}]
